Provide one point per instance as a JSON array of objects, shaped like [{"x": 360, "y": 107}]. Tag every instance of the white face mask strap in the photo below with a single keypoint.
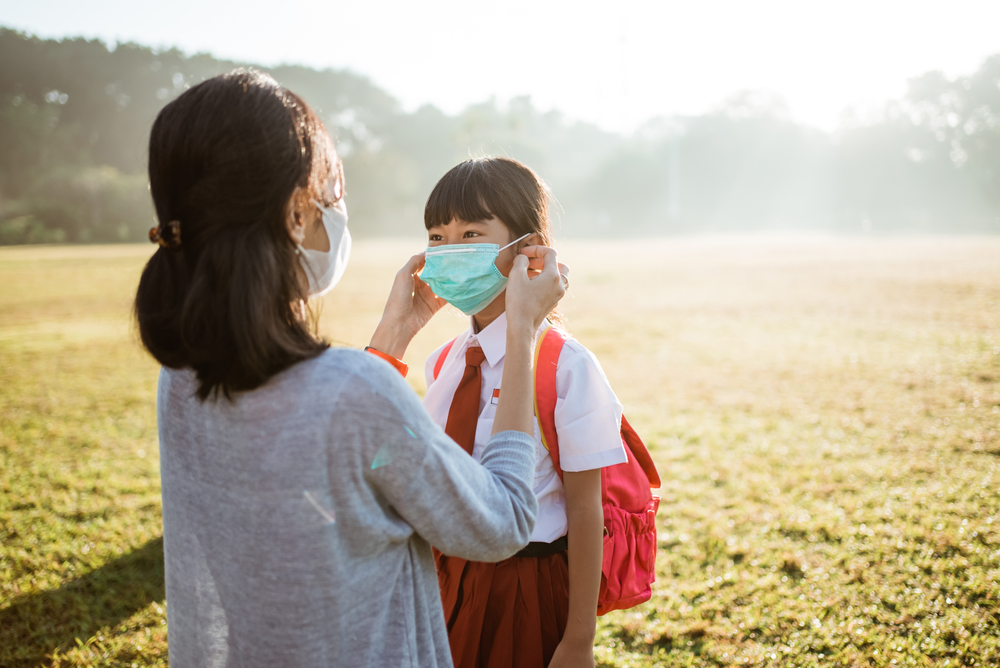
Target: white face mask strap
[
  {"x": 516, "y": 240},
  {"x": 306, "y": 264}
]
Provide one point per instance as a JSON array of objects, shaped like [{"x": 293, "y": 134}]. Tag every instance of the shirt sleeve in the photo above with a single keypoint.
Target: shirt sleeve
[
  {"x": 588, "y": 415},
  {"x": 482, "y": 511}
]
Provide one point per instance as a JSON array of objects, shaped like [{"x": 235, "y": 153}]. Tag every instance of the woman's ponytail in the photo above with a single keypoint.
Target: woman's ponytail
[{"x": 222, "y": 294}]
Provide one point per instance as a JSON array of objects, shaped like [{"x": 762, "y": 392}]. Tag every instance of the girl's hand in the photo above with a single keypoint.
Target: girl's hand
[
  {"x": 573, "y": 655},
  {"x": 411, "y": 304},
  {"x": 530, "y": 298}
]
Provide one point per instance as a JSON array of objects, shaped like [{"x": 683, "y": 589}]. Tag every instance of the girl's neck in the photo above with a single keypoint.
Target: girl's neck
[{"x": 485, "y": 318}]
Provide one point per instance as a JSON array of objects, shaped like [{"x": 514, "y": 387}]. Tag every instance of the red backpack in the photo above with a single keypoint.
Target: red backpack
[{"x": 629, "y": 567}]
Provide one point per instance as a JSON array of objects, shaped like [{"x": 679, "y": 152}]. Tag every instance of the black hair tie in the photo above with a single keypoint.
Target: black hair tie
[{"x": 171, "y": 240}]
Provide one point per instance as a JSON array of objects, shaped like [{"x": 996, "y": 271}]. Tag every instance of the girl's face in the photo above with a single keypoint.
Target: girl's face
[{"x": 489, "y": 231}]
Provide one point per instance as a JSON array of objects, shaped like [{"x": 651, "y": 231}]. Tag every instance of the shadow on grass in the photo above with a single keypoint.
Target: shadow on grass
[{"x": 33, "y": 626}]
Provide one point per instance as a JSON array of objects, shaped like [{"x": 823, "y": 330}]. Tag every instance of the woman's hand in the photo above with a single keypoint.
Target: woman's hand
[
  {"x": 534, "y": 287},
  {"x": 536, "y": 258},
  {"x": 410, "y": 306}
]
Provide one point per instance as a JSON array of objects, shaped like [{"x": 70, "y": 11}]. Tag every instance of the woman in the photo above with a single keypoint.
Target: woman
[{"x": 304, "y": 486}]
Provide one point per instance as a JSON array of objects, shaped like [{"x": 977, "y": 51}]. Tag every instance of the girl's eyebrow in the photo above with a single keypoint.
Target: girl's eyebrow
[{"x": 463, "y": 223}]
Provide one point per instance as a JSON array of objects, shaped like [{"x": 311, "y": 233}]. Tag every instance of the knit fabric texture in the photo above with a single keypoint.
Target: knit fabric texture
[{"x": 298, "y": 518}]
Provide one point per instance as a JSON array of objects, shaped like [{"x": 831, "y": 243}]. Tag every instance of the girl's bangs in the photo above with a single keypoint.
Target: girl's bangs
[{"x": 462, "y": 193}]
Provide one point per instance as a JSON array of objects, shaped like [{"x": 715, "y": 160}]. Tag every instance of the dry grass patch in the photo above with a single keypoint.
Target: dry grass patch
[{"x": 825, "y": 414}]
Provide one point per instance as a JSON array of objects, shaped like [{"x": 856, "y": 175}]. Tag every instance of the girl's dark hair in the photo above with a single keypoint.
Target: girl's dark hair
[
  {"x": 480, "y": 188},
  {"x": 488, "y": 186},
  {"x": 222, "y": 294}
]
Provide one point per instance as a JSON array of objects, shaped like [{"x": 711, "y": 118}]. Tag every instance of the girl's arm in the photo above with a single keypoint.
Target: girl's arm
[{"x": 585, "y": 534}]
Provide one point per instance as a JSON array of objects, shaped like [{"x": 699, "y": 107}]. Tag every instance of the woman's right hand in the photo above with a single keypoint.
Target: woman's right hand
[
  {"x": 411, "y": 304},
  {"x": 531, "y": 296}
]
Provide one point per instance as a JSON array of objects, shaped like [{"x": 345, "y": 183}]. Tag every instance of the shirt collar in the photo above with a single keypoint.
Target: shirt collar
[{"x": 493, "y": 338}]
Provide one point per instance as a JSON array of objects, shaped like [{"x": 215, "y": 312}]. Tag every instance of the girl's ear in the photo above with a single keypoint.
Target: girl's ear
[
  {"x": 295, "y": 222},
  {"x": 533, "y": 240}
]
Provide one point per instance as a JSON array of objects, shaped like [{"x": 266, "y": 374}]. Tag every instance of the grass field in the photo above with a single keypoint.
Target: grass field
[{"x": 825, "y": 414}]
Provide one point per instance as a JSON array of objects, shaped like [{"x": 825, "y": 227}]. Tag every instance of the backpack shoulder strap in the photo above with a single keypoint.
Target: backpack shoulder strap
[
  {"x": 641, "y": 454},
  {"x": 547, "y": 350},
  {"x": 444, "y": 353}
]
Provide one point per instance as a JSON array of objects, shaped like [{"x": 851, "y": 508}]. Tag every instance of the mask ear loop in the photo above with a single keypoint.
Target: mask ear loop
[{"x": 515, "y": 241}]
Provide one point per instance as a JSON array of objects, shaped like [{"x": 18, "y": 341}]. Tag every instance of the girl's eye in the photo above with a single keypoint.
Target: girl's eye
[
  {"x": 470, "y": 234},
  {"x": 435, "y": 237}
]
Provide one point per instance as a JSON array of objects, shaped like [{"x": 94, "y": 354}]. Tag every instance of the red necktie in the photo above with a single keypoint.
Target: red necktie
[{"x": 464, "y": 412}]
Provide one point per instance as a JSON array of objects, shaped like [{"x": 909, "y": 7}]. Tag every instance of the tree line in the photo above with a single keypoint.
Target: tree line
[{"x": 75, "y": 117}]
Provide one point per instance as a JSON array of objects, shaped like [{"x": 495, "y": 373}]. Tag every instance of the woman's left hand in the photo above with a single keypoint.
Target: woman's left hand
[
  {"x": 410, "y": 306},
  {"x": 536, "y": 261},
  {"x": 573, "y": 655},
  {"x": 530, "y": 297}
]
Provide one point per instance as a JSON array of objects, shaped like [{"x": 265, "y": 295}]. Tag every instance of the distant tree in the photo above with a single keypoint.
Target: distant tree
[
  {"x": 964, "y": 116},
  {"x": 894, "y": 175},
  {"x": 75, "y": 117}
]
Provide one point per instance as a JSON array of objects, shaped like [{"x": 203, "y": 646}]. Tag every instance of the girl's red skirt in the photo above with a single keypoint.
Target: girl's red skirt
[{"x": 510, "y": 614}]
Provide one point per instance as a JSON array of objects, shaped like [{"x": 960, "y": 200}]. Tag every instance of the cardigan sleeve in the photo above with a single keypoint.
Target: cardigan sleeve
[{"x": 482, "y": 511}]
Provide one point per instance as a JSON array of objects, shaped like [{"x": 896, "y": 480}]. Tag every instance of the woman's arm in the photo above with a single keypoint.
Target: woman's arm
[
  {"x": 525, "y": 306},
  {"x": 585, "y": 534},
  {"x": 411, "y": 304},
  {"x": 482, "y": 512}
]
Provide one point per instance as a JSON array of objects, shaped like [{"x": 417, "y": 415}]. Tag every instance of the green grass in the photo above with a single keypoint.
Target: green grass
[{"x": 825, "y": 414}]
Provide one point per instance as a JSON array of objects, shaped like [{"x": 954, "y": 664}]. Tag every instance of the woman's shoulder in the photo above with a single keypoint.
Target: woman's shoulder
[
  {"x": 346, "y": 379},
  {"x": 332, "y": 366},
  {"x": 350, "y": 363},
  {"x": 344, "y": 357}
]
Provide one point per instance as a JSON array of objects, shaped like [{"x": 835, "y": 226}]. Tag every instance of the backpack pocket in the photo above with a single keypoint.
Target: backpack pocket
[{"x": 629, "y": 567}]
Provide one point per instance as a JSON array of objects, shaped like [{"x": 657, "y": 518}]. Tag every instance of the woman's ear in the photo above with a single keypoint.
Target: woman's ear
[{"x": 295, "y": 222}]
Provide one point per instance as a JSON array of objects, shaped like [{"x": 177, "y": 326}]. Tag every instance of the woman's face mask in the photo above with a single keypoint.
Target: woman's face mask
[
  {"x": 465, "y": 275},
  {"x": 324, "y": 268}
]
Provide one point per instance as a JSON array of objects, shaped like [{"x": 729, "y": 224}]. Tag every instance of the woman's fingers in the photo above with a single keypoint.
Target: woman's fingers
[
  {"x": 424, "y": 292},
  {"x": 402, "y": 285},
  {"x": 532, "y": 298},
  {"x": 408, "y": 290},
  {"x": 536, "y": 251},
  {"x": 536, "y": 260},
  {"x": 564, "y": 272},
  {"x": 413, "y": 265},
  {"x": 542, "y": 258}
]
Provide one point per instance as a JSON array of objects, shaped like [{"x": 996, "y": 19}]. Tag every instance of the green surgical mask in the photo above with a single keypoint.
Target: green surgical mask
[{"x": 465, "y": 275}]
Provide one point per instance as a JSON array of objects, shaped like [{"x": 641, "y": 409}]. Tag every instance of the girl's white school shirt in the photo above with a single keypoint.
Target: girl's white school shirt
[{"x": 588, "y": 415}]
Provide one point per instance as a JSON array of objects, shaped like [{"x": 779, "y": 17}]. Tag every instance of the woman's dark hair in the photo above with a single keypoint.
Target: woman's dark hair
[
  {"x": 488, "y": 186},
  {"x": 222, "y": 294}
]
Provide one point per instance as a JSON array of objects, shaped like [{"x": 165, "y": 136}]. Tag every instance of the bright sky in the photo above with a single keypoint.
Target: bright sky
[{"x": 615, "y": 63}]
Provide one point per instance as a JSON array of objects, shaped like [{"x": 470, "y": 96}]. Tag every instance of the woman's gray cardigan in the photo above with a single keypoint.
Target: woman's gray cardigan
[{"x": 298, "y": 518}]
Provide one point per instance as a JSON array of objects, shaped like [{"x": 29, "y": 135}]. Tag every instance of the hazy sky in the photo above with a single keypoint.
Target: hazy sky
[{"x": 615, "y": 62}]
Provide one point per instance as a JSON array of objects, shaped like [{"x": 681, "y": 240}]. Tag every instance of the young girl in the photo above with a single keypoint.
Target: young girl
[{"x": 538, "y": 608}]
